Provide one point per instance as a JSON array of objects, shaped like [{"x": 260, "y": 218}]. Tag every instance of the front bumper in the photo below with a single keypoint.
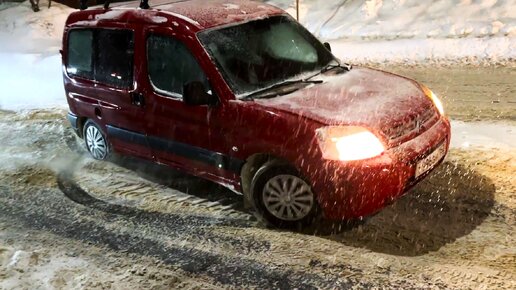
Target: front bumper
[{"x": 355, "y": 189}]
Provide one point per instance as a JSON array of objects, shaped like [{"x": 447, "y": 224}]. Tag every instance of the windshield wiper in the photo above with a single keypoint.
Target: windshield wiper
[
  {"x": 331, "y": 66},
  {"x": 263, "y": 92}
]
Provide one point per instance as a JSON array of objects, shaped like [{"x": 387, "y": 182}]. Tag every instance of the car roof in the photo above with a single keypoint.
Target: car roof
[{"x": 200, "y": 14}]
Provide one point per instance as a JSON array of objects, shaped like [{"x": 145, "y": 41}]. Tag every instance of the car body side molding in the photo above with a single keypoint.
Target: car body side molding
[{"x": 211, "y": 158}]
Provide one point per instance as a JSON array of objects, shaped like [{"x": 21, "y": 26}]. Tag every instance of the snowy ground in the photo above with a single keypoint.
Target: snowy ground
[
  {"x": 30, "y": 70},
  {"x": 69, "y": 222},
  {"x": 481, "y": 32},
  {"x": 31, "y": 81}
]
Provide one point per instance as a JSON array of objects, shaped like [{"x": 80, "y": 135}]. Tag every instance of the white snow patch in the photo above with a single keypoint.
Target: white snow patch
[
  {"x": 31, "y": 81},
  {"x": 121, "y": 11},
  {"x": 497, "y": 50},
  {"x": 486, "y": 135},
  {"x": 30, "y": 70},
  {"x": 15, "y": 258},
  {"x": 185, "y": 18},
  {"x": 58, "y": 267},
  {"x": 230, "y": 6},
  {"x": 32, "y": 269},
  {"x": 393, "y": 19},
  {"x": 23, "y": 31},
  {"x": 371, "y": 8},
  {"x": 110, "y": 14},
  {"x": 159, "y": 19},
  {"x": 180, "y": 16}
]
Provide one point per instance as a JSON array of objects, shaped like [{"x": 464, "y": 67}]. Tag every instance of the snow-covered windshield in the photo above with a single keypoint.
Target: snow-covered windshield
[{"x": 258, "y": 54}]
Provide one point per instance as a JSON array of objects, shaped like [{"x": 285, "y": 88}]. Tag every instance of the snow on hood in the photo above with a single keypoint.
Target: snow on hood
[{"x": 362, "y": 96}]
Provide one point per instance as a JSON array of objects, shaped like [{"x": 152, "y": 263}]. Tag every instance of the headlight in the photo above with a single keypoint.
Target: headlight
[
  {"x": 437, "y": 103},
  {"x": 348, "y": 143}
]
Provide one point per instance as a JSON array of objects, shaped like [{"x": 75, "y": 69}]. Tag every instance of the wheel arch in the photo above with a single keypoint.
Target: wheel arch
[
  {"x": 81, "y": 121},
  {"x": 249, "y": 169}
]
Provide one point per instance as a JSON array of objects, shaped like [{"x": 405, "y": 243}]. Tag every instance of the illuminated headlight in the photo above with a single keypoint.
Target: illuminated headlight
[
  {"x": 437, "y": 103},
  {"x": 348, "y": 143}
]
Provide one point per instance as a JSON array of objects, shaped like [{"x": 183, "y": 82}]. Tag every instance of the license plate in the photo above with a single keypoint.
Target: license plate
[{"x": 431, "y": 160}]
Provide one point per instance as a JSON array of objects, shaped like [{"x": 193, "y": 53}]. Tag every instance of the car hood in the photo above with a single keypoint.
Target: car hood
[{"x": 362, "y": 96}]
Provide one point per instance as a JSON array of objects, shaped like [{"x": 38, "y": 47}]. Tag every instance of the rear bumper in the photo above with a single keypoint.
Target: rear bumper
[
  {"x": 360, "y": 188},
  {"x": 73, "y": 120}
]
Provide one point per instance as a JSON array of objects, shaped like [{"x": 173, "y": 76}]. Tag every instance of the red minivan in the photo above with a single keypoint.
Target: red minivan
[{"x": 240, "y": 93}]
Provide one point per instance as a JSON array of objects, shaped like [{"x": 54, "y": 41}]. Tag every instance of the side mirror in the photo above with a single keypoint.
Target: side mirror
[
  {"x": 194, "y": 94},
  {"x": 327, "y": 45}
]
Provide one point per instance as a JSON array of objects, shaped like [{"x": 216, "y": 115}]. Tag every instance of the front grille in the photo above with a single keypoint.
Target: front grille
[{"x": 415, "y": 125}]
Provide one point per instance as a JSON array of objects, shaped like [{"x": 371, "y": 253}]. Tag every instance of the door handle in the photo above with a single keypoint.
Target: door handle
[{"x": 137, "y": 99}]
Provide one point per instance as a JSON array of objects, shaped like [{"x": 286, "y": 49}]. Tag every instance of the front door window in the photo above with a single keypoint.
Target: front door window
[{"x": 171, "y": 66}]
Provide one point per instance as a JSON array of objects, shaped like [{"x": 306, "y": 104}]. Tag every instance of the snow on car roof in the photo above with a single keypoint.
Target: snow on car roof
[{"x": 200, "y": 13}]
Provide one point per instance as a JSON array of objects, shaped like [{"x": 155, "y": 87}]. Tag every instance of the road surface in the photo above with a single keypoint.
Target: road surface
[{"x": 67, "y": 221}]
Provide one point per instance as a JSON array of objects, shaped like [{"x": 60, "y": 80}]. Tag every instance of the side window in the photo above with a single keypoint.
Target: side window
[
  {"x": 114, "y": 57},
  {"x": 104, "y": 55},
  {"x": 171, "y": 65},
  {"x": 80, "y": 53}
]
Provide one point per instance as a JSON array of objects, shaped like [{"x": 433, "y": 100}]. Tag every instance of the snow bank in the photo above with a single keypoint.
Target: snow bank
[
  {"x": 397, "y": 19},
  {"x": 30, "y": 70},
  {"x": 414, "y": 31},
  {"x": 22, "y": 30},
  {"x": 31, "y": 81},
  {"x": 445, "y": 51},
  {"x": 483, "y": 135}
]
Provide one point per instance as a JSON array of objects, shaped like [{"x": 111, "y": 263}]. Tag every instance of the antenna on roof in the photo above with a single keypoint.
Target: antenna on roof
[
  {"x": 144, "y": 4},
  {"x": 106, "y": 4}
]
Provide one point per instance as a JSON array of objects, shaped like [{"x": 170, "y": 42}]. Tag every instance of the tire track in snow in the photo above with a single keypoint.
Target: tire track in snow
[{"x": 64, "y": 219}]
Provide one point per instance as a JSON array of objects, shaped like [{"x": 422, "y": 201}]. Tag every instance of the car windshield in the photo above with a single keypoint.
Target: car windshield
[{"x": 261, "y": 53}]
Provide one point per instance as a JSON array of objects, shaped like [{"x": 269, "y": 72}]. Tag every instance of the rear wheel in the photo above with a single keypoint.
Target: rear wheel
[
  {"x": 96, "y": 141},
  {"x": 282, "y": 198}
]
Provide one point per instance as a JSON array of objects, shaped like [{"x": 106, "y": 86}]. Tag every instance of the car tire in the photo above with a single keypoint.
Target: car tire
[
  {"x": 96, "y": 141},
  {"x": 282, "y": 198}
]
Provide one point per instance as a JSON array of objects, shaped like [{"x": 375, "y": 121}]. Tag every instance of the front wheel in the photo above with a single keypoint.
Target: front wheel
[
  {"x": 96, "y": 141},
  {"x": 282, "y": 198}
]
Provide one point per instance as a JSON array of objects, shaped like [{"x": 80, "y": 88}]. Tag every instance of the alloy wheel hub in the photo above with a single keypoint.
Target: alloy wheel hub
[
  {"x": 96, "y": 143},
  {"x": 288, "y": 197}
]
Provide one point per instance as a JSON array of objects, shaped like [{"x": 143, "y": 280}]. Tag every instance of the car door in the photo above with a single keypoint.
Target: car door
[
  {"x": 182, "y": 135},
  {"x": 121, "y": 106}
]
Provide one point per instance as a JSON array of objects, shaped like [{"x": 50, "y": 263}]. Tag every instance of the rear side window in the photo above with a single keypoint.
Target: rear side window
[
  {"x": 80, "y": 53},
  {"x": 104, "y": 55},
  {"x": 171, "y": 65},
  {"x": 114, "y": 61}
]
